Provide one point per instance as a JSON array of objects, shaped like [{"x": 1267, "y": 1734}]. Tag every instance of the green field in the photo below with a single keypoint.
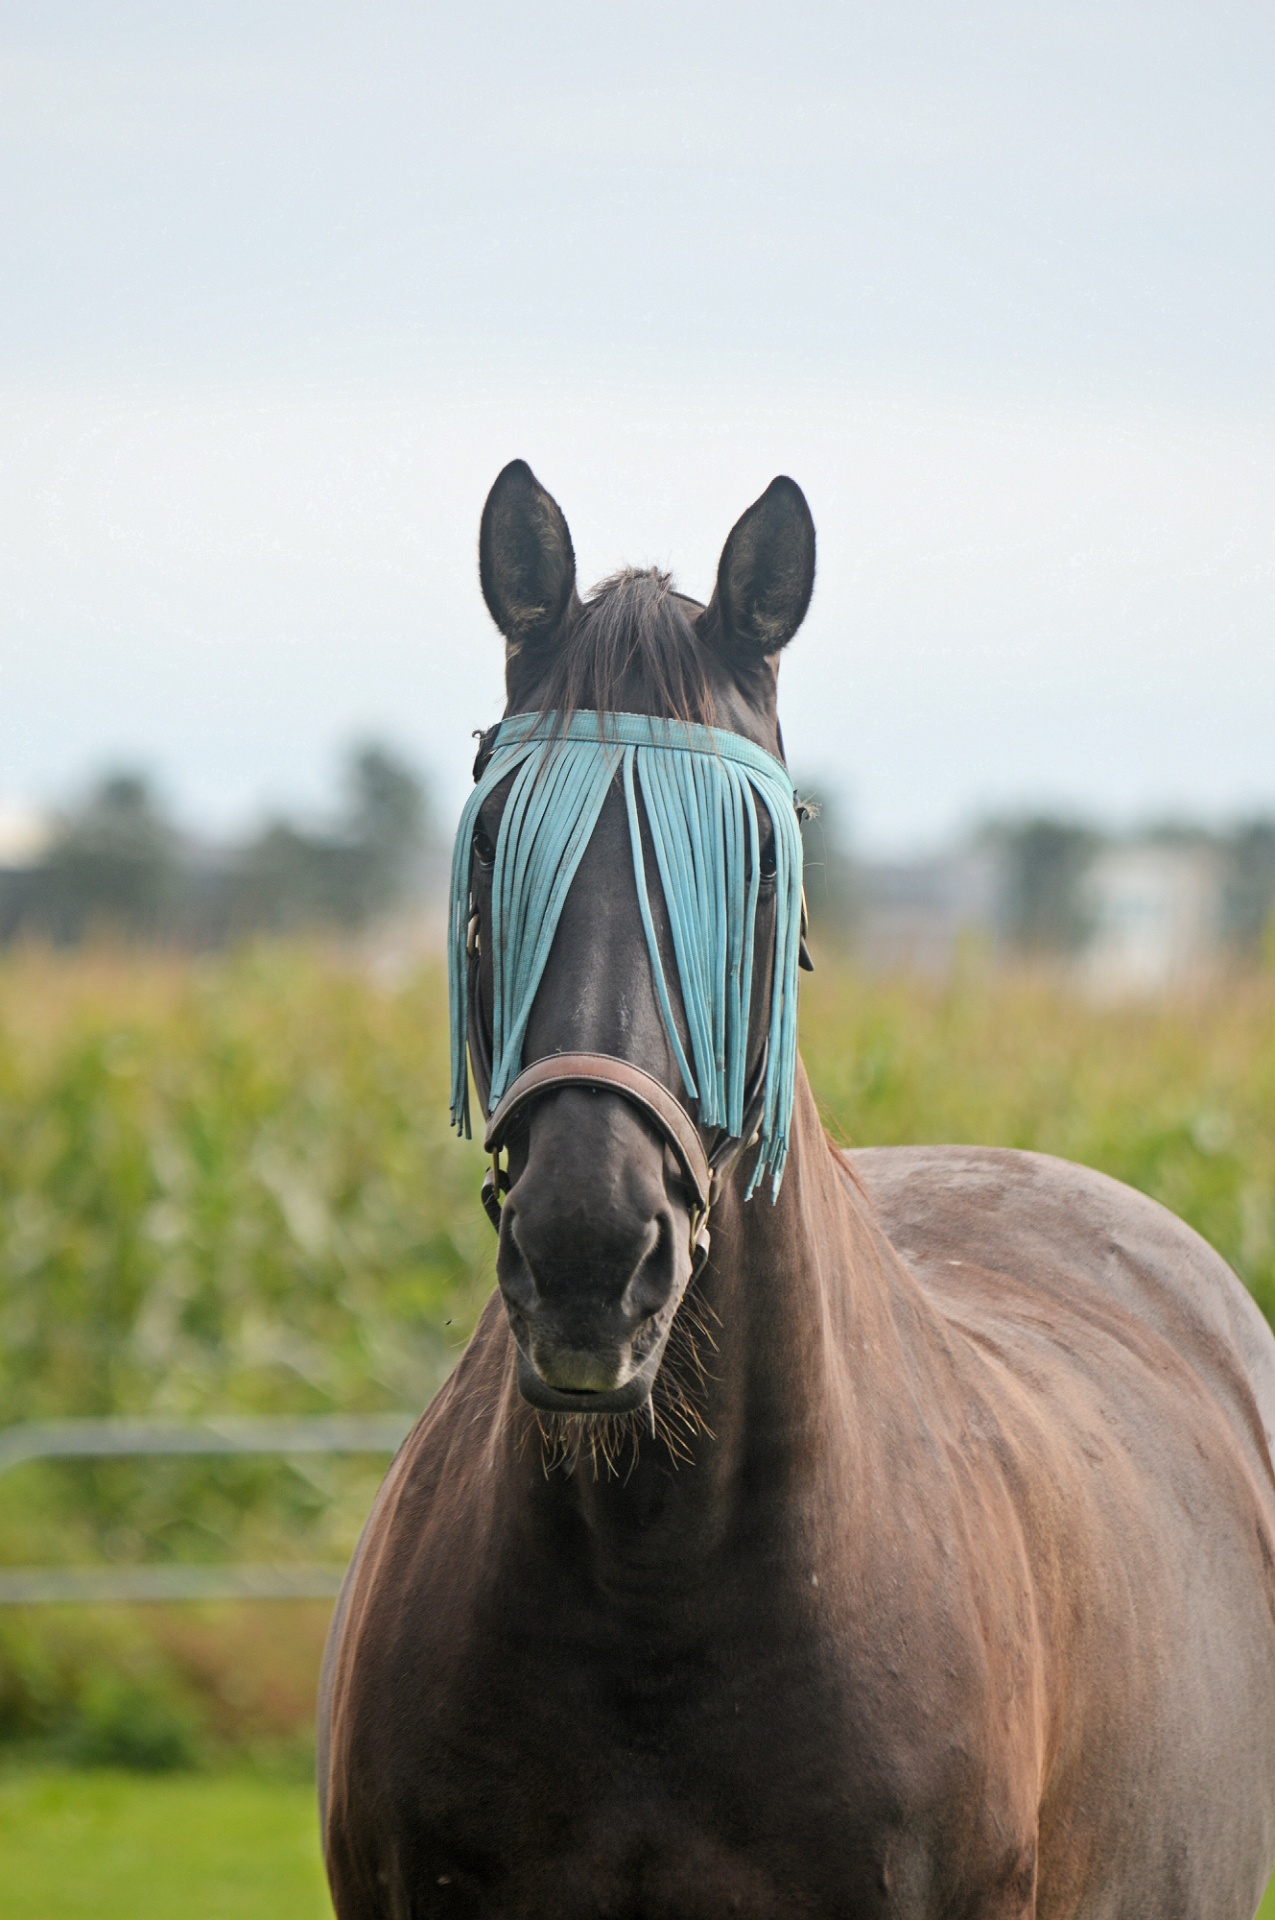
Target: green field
[{"x": 113, "y": 1846}]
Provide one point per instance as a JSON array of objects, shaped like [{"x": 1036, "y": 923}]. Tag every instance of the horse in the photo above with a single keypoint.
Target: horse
[{"x": 896, "y": 1542}]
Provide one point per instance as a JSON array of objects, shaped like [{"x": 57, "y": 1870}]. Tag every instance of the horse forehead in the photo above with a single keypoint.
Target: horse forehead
[
  {"x": 734, "y": 711},
  {"x": 751, "y": 713},
  {"x": 746, "y": 706}
]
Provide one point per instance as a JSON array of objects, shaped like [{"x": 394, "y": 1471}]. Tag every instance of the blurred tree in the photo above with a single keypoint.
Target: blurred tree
[
  {"x": 1045, "y": 864},
  {"x": 113, "y": 863},
  {"x": 287, "y": 879},
  {"x": 117, "y": 863},
  {"x": 290, "y": 878},
  {"x": 388, "y": 824},
  {"x": 1250, "y": 887},
  {"x": 832, "y": 892}
]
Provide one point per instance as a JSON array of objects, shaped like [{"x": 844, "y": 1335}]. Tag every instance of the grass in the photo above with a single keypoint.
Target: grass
[{"x": 116, "y": 1846}]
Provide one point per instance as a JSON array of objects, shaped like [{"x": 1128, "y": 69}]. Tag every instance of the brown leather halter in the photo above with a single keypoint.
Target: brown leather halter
[
  {"x": 704, "y": 1172},
  {"x": 642, "y": 1090}
]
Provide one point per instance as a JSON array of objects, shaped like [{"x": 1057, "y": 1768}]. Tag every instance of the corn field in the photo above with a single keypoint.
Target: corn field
[{"x": 229, "y": 1186}]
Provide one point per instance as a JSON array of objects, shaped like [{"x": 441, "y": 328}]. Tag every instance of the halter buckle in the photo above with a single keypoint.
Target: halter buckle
[{"x": 495, "y": 1186}]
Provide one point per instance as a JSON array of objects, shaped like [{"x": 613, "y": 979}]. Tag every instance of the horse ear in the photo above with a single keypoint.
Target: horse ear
[
  {"x": 765, "y": 576},
  {"x": 526, "y": 562}
]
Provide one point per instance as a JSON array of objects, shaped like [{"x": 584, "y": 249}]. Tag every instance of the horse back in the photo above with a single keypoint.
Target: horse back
[{"x": 996, "y": 1237}]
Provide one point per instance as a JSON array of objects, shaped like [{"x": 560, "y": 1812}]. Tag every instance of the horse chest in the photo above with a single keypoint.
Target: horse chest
[
  {"x": 656, "y": 1860},
  {"x": 627, "y": 1844},
  {"x": 605, "y": 1776}
]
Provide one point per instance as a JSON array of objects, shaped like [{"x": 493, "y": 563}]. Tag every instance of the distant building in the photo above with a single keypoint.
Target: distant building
[
  {"x": 25, "y": 835},
  {"x": 917, "y": 916},
  {"x": 1157, "y": 915},
  {"x": 1142, "y": 915}
]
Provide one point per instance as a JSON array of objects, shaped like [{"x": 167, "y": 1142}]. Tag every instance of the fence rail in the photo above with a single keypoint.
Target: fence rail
[{"x": 232, "y": 1433}]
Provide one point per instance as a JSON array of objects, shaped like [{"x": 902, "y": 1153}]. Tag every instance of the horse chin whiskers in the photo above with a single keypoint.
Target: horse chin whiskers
[{"x": 673, "y": 1416}]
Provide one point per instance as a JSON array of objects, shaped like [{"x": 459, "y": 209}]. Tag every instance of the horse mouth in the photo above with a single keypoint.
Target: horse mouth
[{"x": 626, "y": 1398}]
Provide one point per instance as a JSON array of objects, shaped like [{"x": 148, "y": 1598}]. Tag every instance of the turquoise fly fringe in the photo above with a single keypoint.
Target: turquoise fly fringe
[{"x": 700, "y": 788}]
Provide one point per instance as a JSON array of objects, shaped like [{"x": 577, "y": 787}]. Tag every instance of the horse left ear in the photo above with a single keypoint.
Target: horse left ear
[
  {"x": 765, "y": 576},
  {"x": 525, "y": 558}
]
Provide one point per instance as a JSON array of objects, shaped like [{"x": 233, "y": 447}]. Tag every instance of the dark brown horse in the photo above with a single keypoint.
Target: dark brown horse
[{"x": 935, "y": 1579}]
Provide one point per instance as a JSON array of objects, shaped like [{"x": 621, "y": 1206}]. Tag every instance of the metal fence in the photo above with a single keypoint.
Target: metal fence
[{"x": 102, "y": 1439}]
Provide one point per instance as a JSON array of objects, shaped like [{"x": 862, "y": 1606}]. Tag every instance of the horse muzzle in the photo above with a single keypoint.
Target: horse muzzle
[
  {"x": 595, "y": 1252},
  {"x": 590, "y": 1328},
  {"x": 627, "y": 1398}
]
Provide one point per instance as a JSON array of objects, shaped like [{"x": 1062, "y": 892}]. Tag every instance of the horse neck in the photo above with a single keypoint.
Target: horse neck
[{"x": 791, "y": 1291}]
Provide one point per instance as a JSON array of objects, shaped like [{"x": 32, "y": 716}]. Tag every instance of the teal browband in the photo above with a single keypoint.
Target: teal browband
[{"x": 700, "y": 789}]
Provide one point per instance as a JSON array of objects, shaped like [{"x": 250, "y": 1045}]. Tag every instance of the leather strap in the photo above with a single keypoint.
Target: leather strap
[{"x": 603, "y": 1070}]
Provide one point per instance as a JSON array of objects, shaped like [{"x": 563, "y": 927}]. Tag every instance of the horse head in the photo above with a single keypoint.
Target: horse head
[{"x": 617, "y": 1142}]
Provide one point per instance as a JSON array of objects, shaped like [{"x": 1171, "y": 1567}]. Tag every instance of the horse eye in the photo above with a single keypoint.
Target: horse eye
[
  {"x": 483, "y": 846},
  {"x": 766, "y": 866}
]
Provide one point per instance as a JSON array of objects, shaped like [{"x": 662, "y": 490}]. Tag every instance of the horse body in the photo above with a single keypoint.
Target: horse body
[
  {"x": 969, "y": 1590},
  {"x": 957, "y": 1601},
  {"x": 1125, "y": 1381}
]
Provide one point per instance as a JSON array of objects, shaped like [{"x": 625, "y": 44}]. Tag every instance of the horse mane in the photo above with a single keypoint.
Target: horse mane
[{"x": 633, "y": 648}]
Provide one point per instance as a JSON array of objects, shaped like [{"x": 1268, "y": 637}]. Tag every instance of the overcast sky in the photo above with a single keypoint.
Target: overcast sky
[{"x": 285, "y": 286}]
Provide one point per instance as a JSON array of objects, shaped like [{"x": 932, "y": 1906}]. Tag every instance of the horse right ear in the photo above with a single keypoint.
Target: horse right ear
[
  {"x": 526, "y": 562},
  {"x": 765, "y": 577}
]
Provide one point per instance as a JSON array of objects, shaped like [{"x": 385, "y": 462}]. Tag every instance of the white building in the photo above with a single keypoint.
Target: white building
[
  {"x": 918, "y": 916},
  {"x": 25, "y": 835},
  {"x": 1156, "y": 916}
]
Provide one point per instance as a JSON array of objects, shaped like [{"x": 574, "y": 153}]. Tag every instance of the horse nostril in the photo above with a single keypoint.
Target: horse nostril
[
  {"x": 645, "y": 1296},
  {"x": 517, "y": 1282},
  {"x": 648, "y": 1291}
]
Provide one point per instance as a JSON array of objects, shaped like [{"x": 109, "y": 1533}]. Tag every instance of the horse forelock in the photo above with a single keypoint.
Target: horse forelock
[{"x": 632, "y": 647}]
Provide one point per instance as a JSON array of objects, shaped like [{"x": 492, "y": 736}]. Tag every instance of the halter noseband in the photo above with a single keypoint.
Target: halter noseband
[{"x": 642, "y": 1090}]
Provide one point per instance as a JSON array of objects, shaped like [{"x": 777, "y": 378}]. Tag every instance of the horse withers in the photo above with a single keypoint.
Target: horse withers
[{"x": 894, "y": 1541}]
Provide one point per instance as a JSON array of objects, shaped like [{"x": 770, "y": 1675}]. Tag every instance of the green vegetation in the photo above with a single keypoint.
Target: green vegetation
[
  {"x": 1177, "y": 1097},
  {"x": 226, "y": 1187},
  {"x": 105, "y": 1846},
  {"x": 229, "y": 1185}
]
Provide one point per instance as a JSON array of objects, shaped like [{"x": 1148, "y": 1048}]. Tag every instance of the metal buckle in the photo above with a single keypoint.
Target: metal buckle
[{"x": 495, "y": 1185}]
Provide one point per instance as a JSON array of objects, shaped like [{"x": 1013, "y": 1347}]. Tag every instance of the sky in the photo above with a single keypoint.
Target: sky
[{"x": 286, "y": 285}]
